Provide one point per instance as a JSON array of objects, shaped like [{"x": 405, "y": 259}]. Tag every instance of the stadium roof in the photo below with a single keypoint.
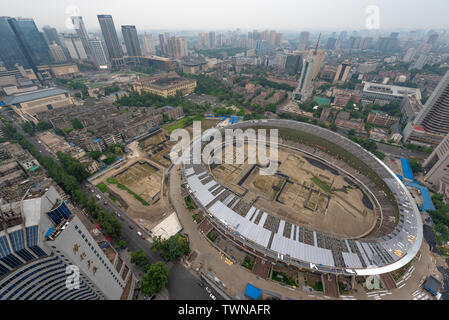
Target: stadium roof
[
  {"x": 392, "y": 246},
  {"x": 34, "y": 95}
]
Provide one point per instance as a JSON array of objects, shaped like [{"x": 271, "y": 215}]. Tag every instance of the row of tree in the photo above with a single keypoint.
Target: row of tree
[{"x": 71, "y": 184}]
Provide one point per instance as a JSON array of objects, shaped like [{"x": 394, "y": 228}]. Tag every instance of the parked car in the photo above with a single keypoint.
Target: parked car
[
  {"x": 201, "y": 284},
  {"x": 140, "y": 235},
  {"x": 212, "y": 297},
  {"x": 208, "y": 290},
  {"x": 131, "y": 227}
]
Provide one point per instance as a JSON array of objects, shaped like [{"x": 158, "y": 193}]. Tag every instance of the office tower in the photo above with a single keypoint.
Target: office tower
[
  {"x": 11, "y": 51},
  {"x": 131, "y": 41},
  {"x": 331, "y": 42},
  {"x": 110, "y": 36},
  {"x": 31, "y": 41},
  {"x": 388, "y": 44},
  {"x": 303, "y": 41},
  {"x": 99, "y": 54},
  {"x": 74, "y": 46},
  {"x": 51, "y": 35},
  {"x": 206, "y": 41},
  {"x": 211, "y": 39},
  {"x": 394, "y": 35},
  {"x": 434, "y": 116},
  {"x": 200, "y": 41},
  {"x": 162, "y": 43},
  {"x": 293, "y": 63},
  {"x": 82, "y": 34},
  {"x": 44, "y": 243},
  {"x": 304, "y": 90},
  {"x": 436, "y": 167},
  {"x": 319, "y": 54},
  {"x": 148, "y": 47},
  {"x": 177, "y": 47},
  {"x": 341, "y": 76},
  {"x": 220, "y": 40},
  {"x": 57, "y": 53}
]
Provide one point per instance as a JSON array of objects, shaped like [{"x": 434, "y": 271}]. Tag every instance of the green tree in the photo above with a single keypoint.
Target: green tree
[
  {"x": 28, "y": 128},
  {"x": 76, "y": 123},
  {"x": 155, "y": 279},
  {"x": 139, "y": 258},
  {"x": 122, "y": 243},
  {"x": 173, "y": 248},
  {"x": 416, "y": 166}
]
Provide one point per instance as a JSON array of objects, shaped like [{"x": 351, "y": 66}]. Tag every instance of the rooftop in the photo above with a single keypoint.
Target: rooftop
[{"x": 34, "y": 95}]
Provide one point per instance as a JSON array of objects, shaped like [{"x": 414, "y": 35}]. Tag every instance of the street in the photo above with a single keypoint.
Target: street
[{"x": 182, "y": 284}]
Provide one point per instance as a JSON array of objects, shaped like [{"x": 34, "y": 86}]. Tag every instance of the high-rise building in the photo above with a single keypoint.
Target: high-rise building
[
  {"x": 278, "y": 39},
  {"x": 82, "y": 34},
  {"x": 99, "y": 53},
  {"x": 32, "y": 42},
  {"x": 148, "y": 47},
  {"x": 162, "y": 44},
  {"x": 293, "y": 63},
  {"x": 57, "y": 53},
  {"x": 303, "y": 41},
  {"x": 74, "y": 46},
  {"x": 51, "y": 34},
  {"x": 409, "y": 55},
  {"x": 305, "y": 87},
  {"x": 331, "y": 42},
  {"x": 113, "y": 46},
  {"x": 211, "y": 39},
  {"x": 48, "y": 253},
  {"x": 341, "y": 76},
  {"x": 434, "y": 116},
  {"x": 177, "y": 47},
  {"x": 436, "y": 168},
  {"x": 11, "y": 52},
  {"x": 131, "y": 41}
]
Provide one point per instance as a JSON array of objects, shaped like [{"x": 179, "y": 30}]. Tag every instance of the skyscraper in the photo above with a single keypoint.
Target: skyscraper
[
  {"x": 99, "y": 54},
  {"x": 331, "y": 42},
  {"x": 131, "y": 41},
  {"x": 303, "y": 41},
  {"x": 57, "y": 53},
  {"x": 341, "y": 76},
  {"x": 434, "y": 116},
  {"x": 211, "y": 39},
  {"x": 44, "y": 243},
  {"x": 293, "y": 63},
  {"x": 436, "y": 167},
  {"x": 32, "y": 42},
  {"x": 305, "y": 88},
  {"x": 52, "y": 35},
  {"x": 74, "y": 46},
  {"x": 148, "y": 45},
  {"x": 177, "y": 47},
  {"x": 11, "y": 51},
  {"x": 82, "y": 34},
  {"x": 162, "y": 44},
  {"x": 113, "y": 46}
]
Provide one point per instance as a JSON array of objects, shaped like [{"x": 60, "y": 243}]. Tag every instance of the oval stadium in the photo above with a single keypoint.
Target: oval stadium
[{"x": 331, "y": 206}]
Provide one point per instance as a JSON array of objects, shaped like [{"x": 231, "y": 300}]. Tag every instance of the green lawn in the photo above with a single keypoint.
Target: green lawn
[
  {"x": 184, "y": 122},
  {"x": 323, "y": 185},
  {"x": 102, "y": 186}
]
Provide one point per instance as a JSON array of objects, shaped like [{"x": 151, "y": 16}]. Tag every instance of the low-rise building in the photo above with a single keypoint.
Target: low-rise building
[
  {"x": 165, "y": 85},
  {"x": 382, "y": 119}
]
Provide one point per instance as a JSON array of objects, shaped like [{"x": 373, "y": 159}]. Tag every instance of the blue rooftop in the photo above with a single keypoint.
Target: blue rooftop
[
  {"x": 427, "y": 200},
  {"x": 50, "y": 231},
  {"x": 407, "y": 169},
  {"x": 252, "y": 292}
]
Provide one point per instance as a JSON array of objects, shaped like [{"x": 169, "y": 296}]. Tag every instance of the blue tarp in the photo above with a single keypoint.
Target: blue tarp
[
  {"x": 425, "y": 195},
  {"x": 407, "y": 169},
  {"x": 252, "y": 292}
]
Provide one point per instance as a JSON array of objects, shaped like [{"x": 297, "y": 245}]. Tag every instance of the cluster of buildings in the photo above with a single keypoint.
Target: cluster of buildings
[{"x": 165, "y": 84}]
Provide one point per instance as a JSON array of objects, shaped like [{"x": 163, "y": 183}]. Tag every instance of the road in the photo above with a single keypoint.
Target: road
[
  {"x": 182, "y": 284},
  {"x": 400, "y": 152}
]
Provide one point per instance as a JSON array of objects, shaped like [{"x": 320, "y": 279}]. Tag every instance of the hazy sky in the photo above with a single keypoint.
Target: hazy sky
[{"x": 231, "y": 14}]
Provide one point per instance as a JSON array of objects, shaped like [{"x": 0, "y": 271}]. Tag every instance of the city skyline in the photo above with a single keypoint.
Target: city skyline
[{"x": 199, "y": 15}]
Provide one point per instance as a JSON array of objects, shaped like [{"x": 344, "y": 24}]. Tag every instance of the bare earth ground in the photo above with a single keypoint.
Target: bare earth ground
[{"x": 302, "y": 200}]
